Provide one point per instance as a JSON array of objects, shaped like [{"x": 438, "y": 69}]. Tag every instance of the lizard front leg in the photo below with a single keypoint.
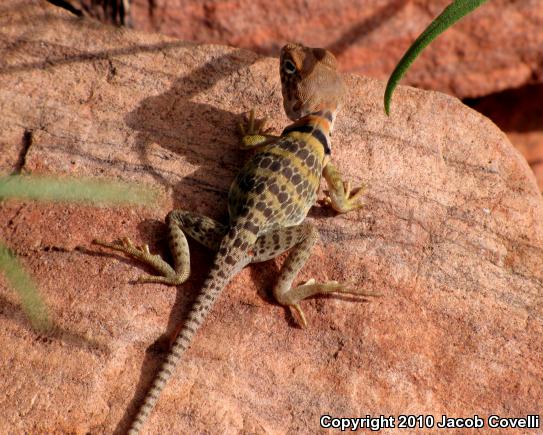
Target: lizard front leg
[
  {"x": 301, "y": 239},
  {"x": 340, "y": 195},
  {"x": 200, "y": 228},
  {"x": 253, "y": 133}
]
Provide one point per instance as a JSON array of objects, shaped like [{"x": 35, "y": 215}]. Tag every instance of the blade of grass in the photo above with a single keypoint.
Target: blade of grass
[
  {"x": 48, "y": 188},
  {"x": 23, "y": 284},
  {"x": 450, "y": 15}
]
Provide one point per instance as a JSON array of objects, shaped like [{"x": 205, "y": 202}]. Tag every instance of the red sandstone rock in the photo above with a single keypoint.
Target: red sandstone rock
[
  {"x": 452, "y": 236},
  {"x": 498, "y": 47},
  {"x": 519, "y": 112}
]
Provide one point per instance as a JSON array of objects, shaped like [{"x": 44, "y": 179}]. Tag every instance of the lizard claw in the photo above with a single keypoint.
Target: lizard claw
[
  {"x": 251, "y": 126},
  {"x": 167, "y": 274},
  {"x": 340, "y": 195},
  {"x": 301, "y": 316},
  {"x": 253, "y": 132},
  {"x": 119, "y": 245},
  {"x": 311, "y": 288},
  {"x": 343, "y": 199}
]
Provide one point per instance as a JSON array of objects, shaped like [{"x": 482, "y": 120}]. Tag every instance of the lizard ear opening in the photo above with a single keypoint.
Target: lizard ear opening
[{"x": 289, "y": 67}]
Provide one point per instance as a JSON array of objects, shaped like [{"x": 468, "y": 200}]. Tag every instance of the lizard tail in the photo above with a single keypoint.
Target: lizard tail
[{"x": 228, "y": 262}]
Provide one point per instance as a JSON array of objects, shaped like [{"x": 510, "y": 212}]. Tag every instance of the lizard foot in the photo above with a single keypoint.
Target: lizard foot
[
  {"x": 312, "y": 288},
  {"x": 343, "y": 198},
  {"x": 253, "y": 132},
  {"x": 142, "y": 253}
]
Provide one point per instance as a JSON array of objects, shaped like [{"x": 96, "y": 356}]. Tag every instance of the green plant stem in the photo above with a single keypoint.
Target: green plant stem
[
  {"x": 450, "y": 15},
  {"x": 48, "y": 188},
  {"x": 22, "y": 282}
]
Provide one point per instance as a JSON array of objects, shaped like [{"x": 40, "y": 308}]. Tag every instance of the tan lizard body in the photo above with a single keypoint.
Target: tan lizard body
[{"x": 268, "y": 201}]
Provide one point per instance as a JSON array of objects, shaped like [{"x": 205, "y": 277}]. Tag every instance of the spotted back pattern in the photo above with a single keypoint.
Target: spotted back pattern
[{"x": 279, "y": 184}]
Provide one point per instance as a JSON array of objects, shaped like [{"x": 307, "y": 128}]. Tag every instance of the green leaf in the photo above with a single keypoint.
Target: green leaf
[
  {"x": 452, "y": 13},
  {"x": 22, "y": 283},
  {"x": 48, "y": 188}
]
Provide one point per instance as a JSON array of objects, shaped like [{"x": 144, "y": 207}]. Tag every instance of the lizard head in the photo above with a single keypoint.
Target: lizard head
[{"x": 310, "y": 80}]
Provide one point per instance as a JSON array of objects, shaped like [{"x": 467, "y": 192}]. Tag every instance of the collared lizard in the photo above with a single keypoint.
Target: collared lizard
[{"x": 267, "y": 203}]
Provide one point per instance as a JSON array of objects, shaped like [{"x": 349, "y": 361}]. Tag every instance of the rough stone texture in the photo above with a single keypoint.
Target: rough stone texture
[
  {"x": 519, "y": 112},
  {"x": 452, "y": 236},
  {"x": 498, "y": 47}
]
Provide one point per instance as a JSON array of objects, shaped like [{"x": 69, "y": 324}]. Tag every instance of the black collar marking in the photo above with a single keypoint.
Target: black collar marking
[{"x": 315, "y": 132}]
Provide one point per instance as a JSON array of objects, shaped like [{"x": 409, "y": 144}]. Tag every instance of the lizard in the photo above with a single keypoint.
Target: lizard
[{"x": 267, "y": 203}]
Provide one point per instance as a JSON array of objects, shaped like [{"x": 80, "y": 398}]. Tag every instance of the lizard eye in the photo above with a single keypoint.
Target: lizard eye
[{"x": 289, "y": 66}]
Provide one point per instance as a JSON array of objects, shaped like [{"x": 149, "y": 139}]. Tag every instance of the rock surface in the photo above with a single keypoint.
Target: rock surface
[
  {"x": 452, "y": 236},
  {"x": 498, "y": 47},
  {"x": 519, "y": 113}
]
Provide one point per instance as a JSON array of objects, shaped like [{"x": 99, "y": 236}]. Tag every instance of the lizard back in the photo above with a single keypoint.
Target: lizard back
[{"x": 279, "y": 184}]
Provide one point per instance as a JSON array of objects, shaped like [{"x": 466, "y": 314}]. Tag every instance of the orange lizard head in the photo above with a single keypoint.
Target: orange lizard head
[{"x": 310, "y": 81}]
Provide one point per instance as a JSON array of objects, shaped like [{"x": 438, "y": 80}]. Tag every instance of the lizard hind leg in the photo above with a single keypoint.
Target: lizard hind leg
[
  {"x": 301, "y": 239},
  {"x": 200, "y": 228}
]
